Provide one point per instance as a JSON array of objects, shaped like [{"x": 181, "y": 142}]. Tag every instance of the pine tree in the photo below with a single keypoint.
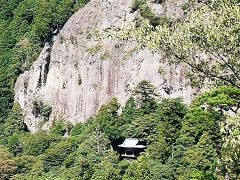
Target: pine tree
[{"x": 145, "y": 94}]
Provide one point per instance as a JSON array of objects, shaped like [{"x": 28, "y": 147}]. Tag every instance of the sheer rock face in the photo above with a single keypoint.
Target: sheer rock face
[{"x": 76, "y": 74}]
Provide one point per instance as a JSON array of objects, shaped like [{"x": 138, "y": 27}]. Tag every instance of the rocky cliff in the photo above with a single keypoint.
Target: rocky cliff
[{"x": 75, "y": 73}]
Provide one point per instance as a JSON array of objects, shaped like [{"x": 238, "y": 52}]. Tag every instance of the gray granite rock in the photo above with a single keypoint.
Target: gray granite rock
[{"x": 77, "y": 74}]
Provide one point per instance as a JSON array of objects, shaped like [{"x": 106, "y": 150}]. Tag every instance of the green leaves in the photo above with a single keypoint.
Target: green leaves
[
  {"x": 107, "y": 119},
  {"x": 14, "y": 122},
  {"x": 145, "y": 95},
  {"x": 230, "y": 152},
  {"x": 144, "y": 127},
  {"x": 54, "y": 157},
  {"x": 25, "y": 26},
  {"x": 147, "y": 13},
  {"x": 225, "y": 98},
  {"x": 207, "y": 41},
  {"x": 182, "y": 142},
  {"x": 199, "y": 160},
  {"x": 6, "y": 100},
  {"x": 7, "y": 164},
  {"x": 36, "y": 144}
]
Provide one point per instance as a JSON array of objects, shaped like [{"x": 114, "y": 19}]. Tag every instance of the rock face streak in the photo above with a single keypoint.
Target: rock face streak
[{"x": 76, "y": 74}]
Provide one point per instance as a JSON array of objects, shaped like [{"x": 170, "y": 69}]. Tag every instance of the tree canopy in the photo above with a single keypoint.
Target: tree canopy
[{"x": 196, "y": 142}]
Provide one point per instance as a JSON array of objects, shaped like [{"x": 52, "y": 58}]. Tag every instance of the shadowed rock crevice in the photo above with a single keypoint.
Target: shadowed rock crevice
[
  {"x": 39, "y": 83},
  {"x": 46, "y": 68}
]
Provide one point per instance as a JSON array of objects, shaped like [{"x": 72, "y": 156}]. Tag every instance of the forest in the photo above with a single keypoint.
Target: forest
[
  {"x": 195, "y": 142},
  {"x": 200, "y": 141}
]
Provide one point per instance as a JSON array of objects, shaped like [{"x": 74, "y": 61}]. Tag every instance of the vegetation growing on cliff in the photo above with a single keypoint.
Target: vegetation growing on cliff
[
  {"x": 207, "y": 41},
  {"x": 148, "y": 13},
  {"x": 25, "y": 26}
]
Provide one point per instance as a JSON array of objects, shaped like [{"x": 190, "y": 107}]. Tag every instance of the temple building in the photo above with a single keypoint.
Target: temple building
[{"x": 131, "y": 147}]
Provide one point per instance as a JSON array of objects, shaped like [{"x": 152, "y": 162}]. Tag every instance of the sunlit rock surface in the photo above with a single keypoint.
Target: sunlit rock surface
[{"x": 75, "y": 74}]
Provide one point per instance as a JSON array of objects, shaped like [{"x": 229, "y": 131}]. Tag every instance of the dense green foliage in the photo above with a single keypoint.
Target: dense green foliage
[{"x": 196, "y": 142}]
